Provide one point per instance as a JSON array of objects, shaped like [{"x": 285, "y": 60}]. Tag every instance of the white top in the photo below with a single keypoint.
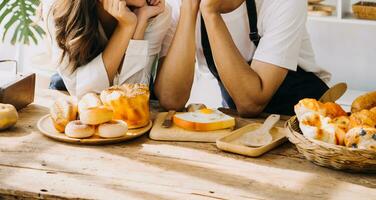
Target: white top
[
  {"x": 282, "y": 25},
  {"x": 137, "y": 66}
]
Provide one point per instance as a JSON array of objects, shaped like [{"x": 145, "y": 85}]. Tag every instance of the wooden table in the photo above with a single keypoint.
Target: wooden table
[{"x": 33, "y": 166}]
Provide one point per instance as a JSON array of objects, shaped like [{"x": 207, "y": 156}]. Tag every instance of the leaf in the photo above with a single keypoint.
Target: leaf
[{"x": 17, "y": 15}]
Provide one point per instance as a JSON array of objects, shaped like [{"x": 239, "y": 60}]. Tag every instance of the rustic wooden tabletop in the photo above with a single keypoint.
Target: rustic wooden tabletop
[{"x": 33, "y": 166}]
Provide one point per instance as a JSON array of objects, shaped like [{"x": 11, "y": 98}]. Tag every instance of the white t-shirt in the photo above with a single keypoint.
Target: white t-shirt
[{"x": 284, "y": 38}]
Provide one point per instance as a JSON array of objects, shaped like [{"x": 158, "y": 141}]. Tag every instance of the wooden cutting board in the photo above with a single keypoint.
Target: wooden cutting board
[{"x": 178, "y": 134}]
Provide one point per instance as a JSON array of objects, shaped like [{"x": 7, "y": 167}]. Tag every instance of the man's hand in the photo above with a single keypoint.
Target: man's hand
[{"x": 219, "y": 6}]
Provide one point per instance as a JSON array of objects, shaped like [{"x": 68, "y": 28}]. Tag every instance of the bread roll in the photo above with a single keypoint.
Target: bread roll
[
  {"x": 62, "y": 112},
  {"x": 363, "y": 118},
  {"x": 373, "y": 110},
  {"x": 334, "y": 110},
  {"x": 89, "y": 100},
  {"x": 8, "y": 116},
  {"x": 309, "y": 106},
  {"x": 76, "y": 129},
  {"x": 96, "y": 115},
  {"x": 316, "y": 126},
  {"x": 361, "y": 138},
  {"x": 364, "y": 102},
  {"x": 130, "y": 103},
  {"x": 331, "y": 110}
]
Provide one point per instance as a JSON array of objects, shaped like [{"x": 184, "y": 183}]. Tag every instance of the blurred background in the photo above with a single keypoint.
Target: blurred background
[{"x": 344, "y": 45}]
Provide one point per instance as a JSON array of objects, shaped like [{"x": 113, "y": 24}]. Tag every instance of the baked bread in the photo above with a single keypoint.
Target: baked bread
[
  {"x": 361, "y": 138},
  {"x": 364, "y": 102},
  {"x": 316, "y": 126},
  {"x": 62, "y": 112},
  {"x": 373, "y": 110},
  {"x": 8, "y": 116},
  {"x": 331, "y": 110},
  {"x": 204, "y": 120},
  {"x": 89, "y": 100},
  {"x": 96, "y": 115},
  {"x": 130, "y": 103},
  {"x": 363, "y": 118}
]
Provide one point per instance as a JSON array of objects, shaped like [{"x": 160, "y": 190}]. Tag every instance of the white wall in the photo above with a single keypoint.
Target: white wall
[{"x": 348, "y": 50}]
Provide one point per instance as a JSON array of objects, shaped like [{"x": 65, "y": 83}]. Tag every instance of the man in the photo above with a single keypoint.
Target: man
[{"x": 259, "y": 51}]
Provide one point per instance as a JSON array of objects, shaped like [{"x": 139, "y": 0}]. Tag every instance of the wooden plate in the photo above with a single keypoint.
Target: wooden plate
[
  {"x": 46, "y": 127},
  {"x": 234, "y": 141}
]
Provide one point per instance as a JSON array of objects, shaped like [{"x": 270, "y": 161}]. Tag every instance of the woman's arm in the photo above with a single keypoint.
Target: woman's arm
[
  {"x": 176, "y": 71},
  {"x": 116, "y": 47}
]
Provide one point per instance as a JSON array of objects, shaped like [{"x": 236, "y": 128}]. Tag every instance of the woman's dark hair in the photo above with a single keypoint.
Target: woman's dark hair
[{"x": 77, "y": 31}]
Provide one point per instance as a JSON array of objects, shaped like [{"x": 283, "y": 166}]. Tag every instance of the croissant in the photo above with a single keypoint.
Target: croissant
[{"x": 364, "y": 102}]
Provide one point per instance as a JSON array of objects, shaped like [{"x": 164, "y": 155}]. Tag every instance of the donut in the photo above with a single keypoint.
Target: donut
[
  {"x": 113, "y": 129},
  {"x": 96, "y": 115},
  {"x": 364, "y": 102},
  {"x": 62, "y": 112},
  {"x": 8, "y": 116},
  {"x": 76, "y": 129}
]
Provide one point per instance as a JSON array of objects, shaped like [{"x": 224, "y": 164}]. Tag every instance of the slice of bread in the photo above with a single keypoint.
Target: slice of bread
[{"x": 204, "y": 120}]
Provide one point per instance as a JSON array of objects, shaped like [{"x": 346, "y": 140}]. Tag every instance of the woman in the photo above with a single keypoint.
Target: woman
[{"x": 96, "y": 44}]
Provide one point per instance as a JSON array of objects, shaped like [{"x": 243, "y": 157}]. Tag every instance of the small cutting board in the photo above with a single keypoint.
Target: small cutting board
[{"x": 175, "y": 133}]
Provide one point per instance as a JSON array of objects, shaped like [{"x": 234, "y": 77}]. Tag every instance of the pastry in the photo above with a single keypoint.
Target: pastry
[
  {"x": 364, "y": 102},
  {"x": 329, "y": 109},
  {"x": 113, "y": 129},
  {"x": 89, "y": 100},
  {"x": 361, "y": 138},
  {"x": 96, "y": 115},
  {"x": 62, "y": 112},
  {"x": 363, "y": 118},
  {"x": 76, "y": 129},
  {"x": 204, "y": 120},
  {"x": 130, "y": 103},
  {"x": 309, "y": 105},
  {"x": 334, "y": 110},
  {"x": 373, "y": 110},
  {"x": 316, "y": 126},
  {"x": 8, "y": 116}
]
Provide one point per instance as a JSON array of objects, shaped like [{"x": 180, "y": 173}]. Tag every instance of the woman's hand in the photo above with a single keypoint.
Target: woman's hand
[
  {"x": 219, "y": 6},
  {"x": 119, "y": 10},
  {"x": 150, "y": 10}
]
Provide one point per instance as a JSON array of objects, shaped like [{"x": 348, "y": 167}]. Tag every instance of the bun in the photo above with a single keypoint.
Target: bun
[
  {"x": 8, "y": 116},
  {"x": 62, "y": 112},
  {"x": 113, "y": 129},
  {"x": 363, "y": 118},
  {"x": 331, "y": 110},
  {"x": 316, "y": 126},
  {"x": 204, "y": 120},
  {"x": 96, "y": 115},
  {"x": 334, "y": 110},
  {"x": 361, "y": 138},
  {"x": 364, "y": 102},
  {"x": 76, "y": 129},
  {"x": 130, "y": 103},
  {"x": 89, "y": 100}
]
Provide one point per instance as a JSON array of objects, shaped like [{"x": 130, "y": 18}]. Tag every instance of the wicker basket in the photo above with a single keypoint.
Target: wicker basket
[
  {"x": 365, "y": 10},
  {"x": 329, "y": 155}
]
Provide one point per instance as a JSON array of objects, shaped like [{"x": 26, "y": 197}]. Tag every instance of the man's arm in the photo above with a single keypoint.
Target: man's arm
[
  {"x": 251, "y": 87},
  {"x": 176, "y": 71}
]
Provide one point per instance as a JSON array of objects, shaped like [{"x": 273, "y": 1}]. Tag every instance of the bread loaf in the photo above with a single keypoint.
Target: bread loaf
[{"x": 364, "y": 102}]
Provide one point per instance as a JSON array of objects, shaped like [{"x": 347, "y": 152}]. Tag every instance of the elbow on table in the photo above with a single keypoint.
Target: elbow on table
[
  {"x": 250, "y": 109},
  {"x": 170, "y": 103}
]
